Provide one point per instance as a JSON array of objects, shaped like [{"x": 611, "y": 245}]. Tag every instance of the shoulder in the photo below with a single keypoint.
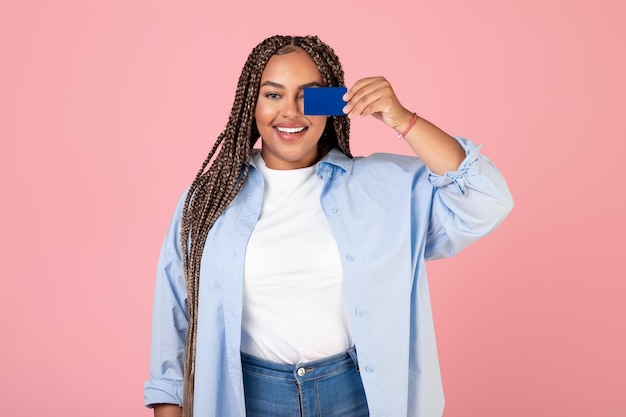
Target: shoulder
[
  {"x": 388, "y": 159},
  {"x": 395, "y": 167},
  {"x": 376, "y": 160},
  {"x": 391, "y": 175}
]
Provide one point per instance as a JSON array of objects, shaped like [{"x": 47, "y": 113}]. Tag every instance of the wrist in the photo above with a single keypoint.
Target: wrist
[{"x": 407, "y": 124}]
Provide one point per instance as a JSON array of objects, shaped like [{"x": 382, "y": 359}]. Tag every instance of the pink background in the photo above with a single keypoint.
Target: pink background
[{"x": 107, "y": 109}]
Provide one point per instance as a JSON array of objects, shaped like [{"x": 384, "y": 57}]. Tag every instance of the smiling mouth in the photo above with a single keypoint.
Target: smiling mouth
[{"x": 290, "y": 130}]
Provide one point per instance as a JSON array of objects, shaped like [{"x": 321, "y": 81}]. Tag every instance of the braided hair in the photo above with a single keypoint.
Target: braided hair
[{"x": 214, "y": 188}]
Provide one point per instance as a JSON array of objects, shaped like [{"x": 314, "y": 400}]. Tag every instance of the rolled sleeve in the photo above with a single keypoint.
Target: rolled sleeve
[
  {"x": 469, "y": 167},
  {"x": 468, "y": 203},
  {"x": 163, "y": 392}
]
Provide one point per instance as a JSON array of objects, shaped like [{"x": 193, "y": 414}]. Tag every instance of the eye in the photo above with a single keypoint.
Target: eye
[{"x": 272, "y": 96}]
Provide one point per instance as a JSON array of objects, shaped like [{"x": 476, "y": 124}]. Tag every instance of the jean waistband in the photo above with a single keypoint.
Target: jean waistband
[{"x": 302, "y": 371}]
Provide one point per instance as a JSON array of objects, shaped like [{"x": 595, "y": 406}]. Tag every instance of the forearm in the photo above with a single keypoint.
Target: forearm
[
  {"x": 374, "y": 96},
  {"x": 438, "y": 150},
  {"x": 167, "y": 410}
]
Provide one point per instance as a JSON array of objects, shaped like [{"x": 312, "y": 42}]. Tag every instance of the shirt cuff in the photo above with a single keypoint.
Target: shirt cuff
[
  {"x": 162, "y": 392},
  {"x": 467, "y": 168}
]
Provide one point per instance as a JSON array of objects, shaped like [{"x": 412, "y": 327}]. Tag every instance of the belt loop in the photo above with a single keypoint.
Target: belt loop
[{"x": 352, "y": 353}]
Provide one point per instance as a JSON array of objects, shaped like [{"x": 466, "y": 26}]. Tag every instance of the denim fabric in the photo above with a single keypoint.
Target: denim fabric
[{"x": 327, "y": 387}]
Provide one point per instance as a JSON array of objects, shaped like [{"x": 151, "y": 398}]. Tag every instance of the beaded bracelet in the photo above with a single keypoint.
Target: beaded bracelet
[{"x": 413, "y": 120}]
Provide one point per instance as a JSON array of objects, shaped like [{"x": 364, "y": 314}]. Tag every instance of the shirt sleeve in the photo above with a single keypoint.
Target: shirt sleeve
[
  {"x": 467, "y": 203},
  {"x": 169, "y": 323}
]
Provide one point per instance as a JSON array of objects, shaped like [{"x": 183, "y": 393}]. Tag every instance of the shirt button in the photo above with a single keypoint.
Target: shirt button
[
  {"x": 358, "y": 312},
  {"x": 350, "y": 258},
  {"x": 334, "y": 210},
  {"x": 369, "y": 369}
]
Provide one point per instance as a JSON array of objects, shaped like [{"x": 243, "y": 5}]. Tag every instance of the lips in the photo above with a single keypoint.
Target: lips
[
  {"x": 290, "y": 133},
  {"x": 290, "y": 130}
]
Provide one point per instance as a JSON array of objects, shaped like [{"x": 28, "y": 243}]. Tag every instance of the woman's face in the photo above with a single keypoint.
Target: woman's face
[{"x": 289, "y": 138}]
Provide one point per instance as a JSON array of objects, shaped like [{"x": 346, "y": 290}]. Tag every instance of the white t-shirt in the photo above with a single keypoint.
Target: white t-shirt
[{"x": 294, "y": 303}]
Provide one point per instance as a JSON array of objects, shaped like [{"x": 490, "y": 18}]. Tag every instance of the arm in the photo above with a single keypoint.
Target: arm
[
  {"x": 167, "y": 410},
  {"x": 467, "y": 203},
  {"x": 374, "y": 96},
  {"x": 471, "y": 197},
  {"x": 169, "y": 324}
]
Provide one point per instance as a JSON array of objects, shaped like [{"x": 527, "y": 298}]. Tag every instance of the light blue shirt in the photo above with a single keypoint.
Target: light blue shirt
[{"x": 389, "y": 214}]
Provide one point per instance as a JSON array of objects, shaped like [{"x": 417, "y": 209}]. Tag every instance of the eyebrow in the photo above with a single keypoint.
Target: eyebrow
[{"x": 278, "y": 85}]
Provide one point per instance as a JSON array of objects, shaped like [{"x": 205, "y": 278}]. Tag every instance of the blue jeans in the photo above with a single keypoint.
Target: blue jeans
[{"x": 326, "y": 387}]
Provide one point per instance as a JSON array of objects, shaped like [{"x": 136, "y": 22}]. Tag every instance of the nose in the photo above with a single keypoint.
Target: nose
[{"x": 293, "y": 108}]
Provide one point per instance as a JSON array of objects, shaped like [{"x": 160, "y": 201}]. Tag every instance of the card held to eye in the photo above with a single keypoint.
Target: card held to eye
[{"x": 324, "y": 101}]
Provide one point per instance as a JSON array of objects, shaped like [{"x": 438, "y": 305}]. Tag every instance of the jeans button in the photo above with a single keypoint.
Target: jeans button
[{"x": 301, "y": 371}]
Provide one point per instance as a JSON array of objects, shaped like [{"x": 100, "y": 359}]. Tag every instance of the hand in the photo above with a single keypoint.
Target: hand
[{"x": 374, "y": 96}]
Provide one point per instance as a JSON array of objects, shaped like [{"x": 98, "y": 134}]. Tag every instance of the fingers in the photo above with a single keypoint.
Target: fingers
[{"x": 370, "y": 96}]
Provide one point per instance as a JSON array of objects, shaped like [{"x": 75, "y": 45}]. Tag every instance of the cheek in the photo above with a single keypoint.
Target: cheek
[
  {"x": 263, "y": 113},
  {"x": 320, "y": 123}
]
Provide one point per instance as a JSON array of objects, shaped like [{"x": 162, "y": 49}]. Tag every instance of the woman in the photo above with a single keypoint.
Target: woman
[{"x": 281, "y": 265}]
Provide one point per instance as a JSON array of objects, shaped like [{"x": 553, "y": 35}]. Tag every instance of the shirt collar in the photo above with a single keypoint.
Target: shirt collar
[
  {"x": 254, "y": 152},
  {"x": 337, "y": 158},
  {"x": 334, "y": 157}
]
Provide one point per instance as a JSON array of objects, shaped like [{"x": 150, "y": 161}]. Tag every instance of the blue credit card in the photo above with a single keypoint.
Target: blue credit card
[{"x": 324, "y": 101}]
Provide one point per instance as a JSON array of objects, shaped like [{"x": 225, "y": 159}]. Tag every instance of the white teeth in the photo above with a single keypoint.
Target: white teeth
[{"x": 290, "y": 129}]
